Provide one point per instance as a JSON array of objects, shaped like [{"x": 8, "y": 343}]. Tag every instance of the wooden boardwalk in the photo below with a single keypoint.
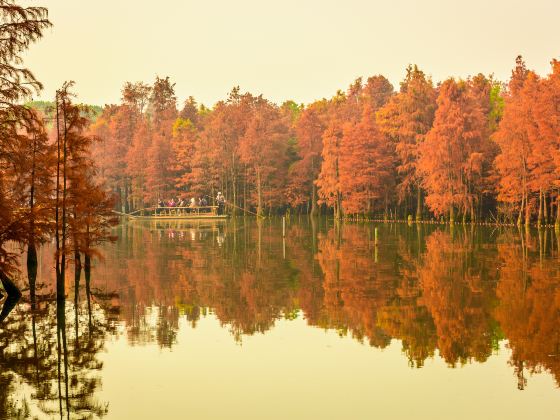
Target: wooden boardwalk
[{"x": 177, "y": 213}]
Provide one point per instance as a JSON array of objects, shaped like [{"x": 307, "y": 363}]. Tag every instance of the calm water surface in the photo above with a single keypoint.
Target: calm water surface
[{"x": 228, "y": 320}]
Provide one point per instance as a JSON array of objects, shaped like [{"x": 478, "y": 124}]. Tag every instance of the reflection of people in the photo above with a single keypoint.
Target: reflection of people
[{"x": 221, "y": 202}]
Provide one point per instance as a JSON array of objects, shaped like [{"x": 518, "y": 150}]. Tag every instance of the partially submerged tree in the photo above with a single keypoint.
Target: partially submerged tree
[{"x": 19, "y": 27}]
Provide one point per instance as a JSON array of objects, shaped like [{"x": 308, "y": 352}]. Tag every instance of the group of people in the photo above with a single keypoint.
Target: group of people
[
  {"x": 193, "y": 202},
  {"x": 183, "y": 202}
]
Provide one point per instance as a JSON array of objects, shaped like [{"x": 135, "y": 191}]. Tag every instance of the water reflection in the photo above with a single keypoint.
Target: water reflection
[
  {"x": 46, "y": 372},
  {"x": 454, "y": 294}
]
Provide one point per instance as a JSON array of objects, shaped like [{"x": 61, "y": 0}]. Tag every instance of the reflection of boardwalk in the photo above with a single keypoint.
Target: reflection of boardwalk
[{"x": 178, "y": 224}]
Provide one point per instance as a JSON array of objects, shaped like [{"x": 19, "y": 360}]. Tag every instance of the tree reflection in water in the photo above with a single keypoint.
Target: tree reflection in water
[
  {"x": 47, "y": 372},
  {"x": 454, "y": 293}
]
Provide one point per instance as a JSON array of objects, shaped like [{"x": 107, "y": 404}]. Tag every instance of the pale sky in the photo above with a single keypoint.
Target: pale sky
[{"x": 286, "y": 49}]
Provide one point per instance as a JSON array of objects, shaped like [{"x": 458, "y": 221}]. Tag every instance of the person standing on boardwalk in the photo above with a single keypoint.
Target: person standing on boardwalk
[{"x": 221, "y": 203}]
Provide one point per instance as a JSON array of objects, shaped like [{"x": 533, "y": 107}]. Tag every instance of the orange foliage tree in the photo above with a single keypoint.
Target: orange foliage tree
[
  {"x": 451, "y": 152},
  {"x": 309, "y": 129},
  {"x": 20, "y": 26},
  {"x": 263, "y": 149},
  {"x": 366, "y": 165},
  {"x": 406, "y": 118},
  {"x": 512, "y": 138}
]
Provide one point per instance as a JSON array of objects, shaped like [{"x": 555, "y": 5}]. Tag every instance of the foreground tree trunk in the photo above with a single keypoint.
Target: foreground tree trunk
[
  {"x": 32, "y": 271},
  {"x": 14, "y": 295},
  {"x": 77, "y": 275},
  {"x": 87, "y": 273}
]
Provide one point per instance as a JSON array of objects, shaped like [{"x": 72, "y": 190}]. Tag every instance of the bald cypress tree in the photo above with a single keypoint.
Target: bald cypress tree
[{"x": 19, "y": 27}]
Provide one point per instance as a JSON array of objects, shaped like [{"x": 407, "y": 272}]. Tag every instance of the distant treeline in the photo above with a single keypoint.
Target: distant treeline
[
  {"x": 48, "y": 110},
  {"x": 471, "y": 149}
]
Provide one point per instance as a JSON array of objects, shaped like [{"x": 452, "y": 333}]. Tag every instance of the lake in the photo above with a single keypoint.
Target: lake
[{"x": 229, "y": 320}]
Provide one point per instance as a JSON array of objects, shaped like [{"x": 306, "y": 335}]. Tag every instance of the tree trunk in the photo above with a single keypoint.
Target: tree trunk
[
  {"x": 259, "y": 193},
  {"x": 557, "y": 224},
  {"x": 386, "y": 214},
  {"x": 338, "y": 210},
  {"x": 313, "y": 199},
  {"x": 14, "y": 295},
  {"x": 77, "y": 275},
  {"x": 32, "y": 271},
  {"x": 125, "y": 201},
  {"x": 539, "y": 218},
  {"x": 520, "y": 215},
  {"x": 419, "y": 204},
  {"x": 87, "y": 272},
  {"x": 451, "y": 215},
  {"x": 527, "y": 211},
  {"x": 545, "y": 210},
  {"x": 245, "y": 203}
]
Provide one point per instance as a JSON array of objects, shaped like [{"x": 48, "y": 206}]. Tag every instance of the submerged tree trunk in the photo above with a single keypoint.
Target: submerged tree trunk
[
  {"x": 386, "y": 213},
  {"x": 545, "y": 210},
  {"x": 520, "y": 215},
  {"x": 451, "y": 215},
  {"x": 557, "y": 224},
  {"x": 32, "y": 271},
  {"x": 419, "y": 204},
  {"x": 313, "y": 199},
  {"x": 14, "y": 295},
  {"x": 87, "y": 273},
  {"x": 77, "y": 275},
  {"x": 540, "y": 214},
  {"x": 527, "y": 211},
  {"x": 259, "y": 193}
]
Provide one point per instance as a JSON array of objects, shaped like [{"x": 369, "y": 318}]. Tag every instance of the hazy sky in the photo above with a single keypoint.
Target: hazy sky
[{"x": 285, "y": 49}]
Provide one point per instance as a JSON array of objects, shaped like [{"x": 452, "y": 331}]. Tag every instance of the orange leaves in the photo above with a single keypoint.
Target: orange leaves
[
  {"x": 451, "y": 146},
  {"x": 303, "y": 173},
  {"x": 357, "y": 158},
  {"x": 406, "y": 118},
  {"x": 528, "y": 138},
  {"x": 366, "y": 164},
  {"x": 263, "y": 149}
]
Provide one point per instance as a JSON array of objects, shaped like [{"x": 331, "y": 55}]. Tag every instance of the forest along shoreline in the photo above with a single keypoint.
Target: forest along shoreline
[{"x": 466, "y": 150}]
